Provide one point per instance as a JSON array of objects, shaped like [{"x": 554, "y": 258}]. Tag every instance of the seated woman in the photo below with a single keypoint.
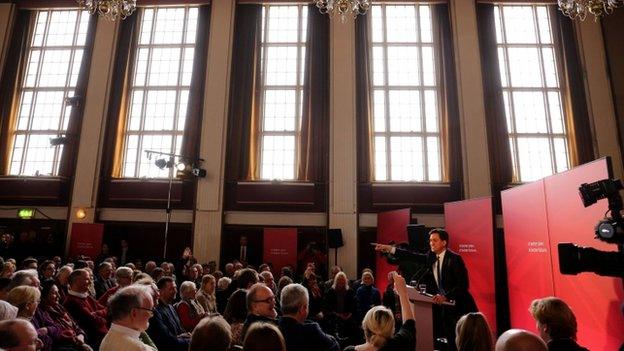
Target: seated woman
[
  {"x": 26, "y": 299},
  {"x": 315, "y": 297},
  {"x": 47, "y": 270},
  {"x": 62, "y": 280},
  {"x": 367, "y": 295},
  {"x": 62, "y": 332},
  {"x": 189, "y": 310},
  {"x": 235, "y": 314},
  {"x": 472, "y": 333},
  {"x": 339, "y": 306},
  {"x": 378, "y": 325},
  {"x": 206, "y": 294}
]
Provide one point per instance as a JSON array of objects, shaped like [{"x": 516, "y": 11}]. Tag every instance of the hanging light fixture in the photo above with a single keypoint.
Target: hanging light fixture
[
  {"x": 578, "y": 9},
  {"x": 343, "y": 8},
  {"x": 109, "y": 9}
]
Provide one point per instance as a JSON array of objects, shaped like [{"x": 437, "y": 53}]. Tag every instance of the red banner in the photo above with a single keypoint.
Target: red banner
[
  {"x": 537, "y": 217},
  {"x": 471, "y": 234},
  {"x": 280, "y": 247},
  {"x": 86, "y": 239},
  {"x": 391, "y": 227},
  {"x": 527, "y": 250}
]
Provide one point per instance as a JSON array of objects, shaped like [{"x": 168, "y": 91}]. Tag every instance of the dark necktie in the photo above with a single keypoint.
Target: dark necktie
[{"x": 439, "y": 272}]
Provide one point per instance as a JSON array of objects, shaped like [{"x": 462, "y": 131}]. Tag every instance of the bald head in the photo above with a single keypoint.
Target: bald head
[{"x": 520, "y": 340}]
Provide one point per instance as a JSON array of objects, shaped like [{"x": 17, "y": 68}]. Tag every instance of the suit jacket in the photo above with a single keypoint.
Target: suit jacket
[
  {"x": 306, "y": 336},
  {"x": 164, "y": 328},
  {"x": 454, "y": 278},
  {"x": 89, "y": 315}
]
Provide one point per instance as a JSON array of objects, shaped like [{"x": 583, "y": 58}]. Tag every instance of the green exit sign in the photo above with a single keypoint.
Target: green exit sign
[{"x": 26, "y": 213}]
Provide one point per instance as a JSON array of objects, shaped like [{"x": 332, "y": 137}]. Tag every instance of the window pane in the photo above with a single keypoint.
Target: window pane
[
  {"x": 431, "y": 111},
  {"x": 380, "y": 158},
  {"x": 556, "y": 113},
  {"x": 525, "y": 67},
  {"x": 169, "y": 25},
  {"x": 279, "y": 112},
  {"x": 433, "y": 158},
  {"x": 561, "y": 154},
  {"x": 54, "y": 68},
  {"x": 550, "y": 70},
  {"x": 164, "y": 67},
  {"x": 426, "y": 33},
  {"x": 401, "y": 24},
  {"x": 281, "y": 65},
  {"x": 379, "y": 112},
  {"x": 278, "y": 161},
  {"x": 283, "y": 24},
  {"x": 160, "y": 109},
  {"x": 544, "y": 25},
  {"x": 529, "y": 112},
  {"x": 377, "y": 24},
  {"x": 62, "y": 28},
  {"x": 535, "y": 158},
  {"x": 39, "y": 156},
  {"x": 405, "y": 111},
  {"x": 403, "y": 65},
  {"x": 147, "y": 167},
  {"x": 406, "y": 158},
  {"x": 502, "y": 67},
  {"x": 47, "y": 111},
  {"x": 428, "y": 66},
  {"x": 378, "y": 65},
  {"x": 519, "y": 24}
]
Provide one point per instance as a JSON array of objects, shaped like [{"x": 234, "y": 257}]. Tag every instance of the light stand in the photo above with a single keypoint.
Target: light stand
[{"x": 162, "y": 164}]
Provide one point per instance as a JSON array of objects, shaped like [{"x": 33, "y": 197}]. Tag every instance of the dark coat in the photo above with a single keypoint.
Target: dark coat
[
  {"x": 164, "y": 328},
  {"x": 306, "y": 336}
]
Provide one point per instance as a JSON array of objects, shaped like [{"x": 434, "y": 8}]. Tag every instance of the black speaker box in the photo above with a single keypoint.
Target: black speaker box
[{"x": 334, "y": 238}]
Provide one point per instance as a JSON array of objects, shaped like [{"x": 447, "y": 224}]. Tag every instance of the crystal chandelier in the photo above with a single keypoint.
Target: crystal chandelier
[
  {"x": 343, "y": 8},
  {"x": 109, "y": 9},
  {"x": 579, "y": 8}
]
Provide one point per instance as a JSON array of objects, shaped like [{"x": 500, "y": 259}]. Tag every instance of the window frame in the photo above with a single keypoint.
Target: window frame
[
  {"x": 298, "y": 88},
  {"x": 130, "y": 88},
  {"x": 420, "y": 88},
  {"x": 511, "y": 134}
]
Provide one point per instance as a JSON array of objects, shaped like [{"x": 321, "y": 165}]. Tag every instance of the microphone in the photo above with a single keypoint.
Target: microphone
[{"x": 420, "y": 274}]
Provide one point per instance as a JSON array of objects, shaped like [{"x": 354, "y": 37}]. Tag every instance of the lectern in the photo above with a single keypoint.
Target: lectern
[{"x": 422, "y": 306}]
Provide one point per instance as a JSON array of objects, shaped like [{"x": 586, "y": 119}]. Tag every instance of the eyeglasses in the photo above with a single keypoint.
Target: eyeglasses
[
  {"x": 150, "y": 310},
  {"x": 270, "y": 299}
]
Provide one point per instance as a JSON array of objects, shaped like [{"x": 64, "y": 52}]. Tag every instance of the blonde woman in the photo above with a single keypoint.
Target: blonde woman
[
  {"x": 26, "y": 299},
  {"x": 206, "y": 294},
  {"x": 378, "y": 325}
]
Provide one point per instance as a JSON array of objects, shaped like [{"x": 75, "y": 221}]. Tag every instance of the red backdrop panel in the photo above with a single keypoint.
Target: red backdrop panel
[
  {"x": 86, "y": 239},
  {"x": 280, "y": 247},
  {"x": 471, "y": 231},
  {"x": 391, "y": 226},
  {"x": 527, "y": 249},
  {"x": 594, "y": 299}
]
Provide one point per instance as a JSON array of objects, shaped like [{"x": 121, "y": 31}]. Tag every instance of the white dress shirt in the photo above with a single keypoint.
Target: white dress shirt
[{"x": 123, "y": 338}]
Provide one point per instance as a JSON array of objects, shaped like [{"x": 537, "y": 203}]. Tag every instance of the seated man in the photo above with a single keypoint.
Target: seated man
[
  {"x": 301, "y": 334},
  {"x": 260, "y": 306},
  {"x": 130, "y": 310},
  {"x": 103, "y": 279},
  {"x": 123, "y": 276},
  {"x": 18, "y": 334},
  {"x": 86, "y": 311},
  {"x": 519, "y": 340},
  {"x": 165, "y": 328},
  {"x": 556, "y": 323}
]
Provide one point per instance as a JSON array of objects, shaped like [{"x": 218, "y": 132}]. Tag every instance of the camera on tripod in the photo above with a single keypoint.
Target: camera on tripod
[{"x": 574, "y": 259}]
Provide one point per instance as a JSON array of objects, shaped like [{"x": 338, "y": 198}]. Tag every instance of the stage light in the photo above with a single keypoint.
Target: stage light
[
  {"x": 181, "y": 166},
  {"x": 26, "y": 213},
  {"x": 81, "y": 213}
]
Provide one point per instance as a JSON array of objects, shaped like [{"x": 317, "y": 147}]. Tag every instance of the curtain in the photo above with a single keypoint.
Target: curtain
[
  {"x": 116, "y": 112},
  {"x": 449, "y": 107},
  {"x": 580, "y": 134},
  {"x": 363, "y": 104},
  {"x": 192, "y": 130},
  {"x": 501, "y": 169},
  {"x": 314, "y": 141},
  {"x": 13, "y": 67},
  {"x": 241, "y": 147},
  {"x": 70, "y": 150}
]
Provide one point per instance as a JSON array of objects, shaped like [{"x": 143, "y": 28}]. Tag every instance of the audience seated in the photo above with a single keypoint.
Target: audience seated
[
  {"x": 103, "y": 280},
  {"x": 189, "y": 309},
  {"x": 519, "y": 340},
  {"x": 339, "y": 306},
  {"x": 222, "y": 293},
  {"x": 18, "y": 334},
  {"x": 47, "y": 270},
  {"x": 26, "y": 299},
  {"x": 61, "y": 330},
  {"x": 472, "y": 333},
  {"x": 165, "y": 327},
  {"x": 315, "y": 293},
  {"x": 62, "y": 280},
  {"x": 378, "y": 325},
  {"x": 24, "y": 277},
  {"x": 299, "y": 333},
  {"x": 123, "y": 277},
  {"x": 264, "y": 336},
  {"x": 235, "y": 314},
  {"x": 84, "y": 309},
  {"x": 556, "y": 324},
  {"x": 260, "y": 306},
  {"x": 213, "y": 333},
  {"x": 367, "y": 296},
  {"x": 130, "y": 310},
  {"x": 206, "y": 295}
]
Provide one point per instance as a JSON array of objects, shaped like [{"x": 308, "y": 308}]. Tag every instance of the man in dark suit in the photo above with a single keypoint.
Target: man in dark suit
[
  {"x": 299, "y": 333},
  {"x": 165, "y": 327},
  {"x": 446, "y": 277}
]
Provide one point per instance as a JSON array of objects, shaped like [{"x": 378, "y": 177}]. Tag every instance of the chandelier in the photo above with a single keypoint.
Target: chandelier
[
  {"x": 579, "y": 8},
  {"x": 109, "y": 9},
  {"x": 343, "y": 8}
]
